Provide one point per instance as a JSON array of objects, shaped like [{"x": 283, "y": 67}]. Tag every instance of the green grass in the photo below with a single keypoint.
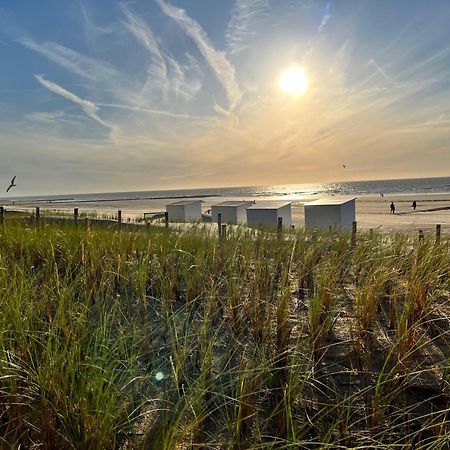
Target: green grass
[{"x": 299, "y": 342}]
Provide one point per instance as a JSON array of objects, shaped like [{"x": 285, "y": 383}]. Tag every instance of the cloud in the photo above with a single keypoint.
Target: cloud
[
  {"x": 165, "y": 75},
  {"x": 223, "y": 69},
  {"x": 71, "y": 60},
  {"x": 45, "y": 116},
  {"x": 151, "y": 111},
  {"x": 94, "y": 30},
  {"x": 379, "y": 69},
  {"x": 88, "y": 107},
  {"x": 99, "y": 73},
  {"x": 240, "y": 28},
  {"x": 142, "y": 32},
  {"x": 326, "y": 17},
  {"x": 179, "y": 84}
]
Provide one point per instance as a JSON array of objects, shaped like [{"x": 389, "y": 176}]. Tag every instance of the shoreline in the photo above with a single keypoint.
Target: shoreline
[
  {"x": 124, "y": 199},
  {"x": 372, "y": 211}
]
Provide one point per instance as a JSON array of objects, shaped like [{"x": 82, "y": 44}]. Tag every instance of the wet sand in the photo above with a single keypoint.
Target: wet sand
[{"x": 372, "y": 211}]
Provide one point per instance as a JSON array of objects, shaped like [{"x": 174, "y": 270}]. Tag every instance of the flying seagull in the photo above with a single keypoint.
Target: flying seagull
[
  {"x": 12, "y": 184},
  {"x": 343, "y": 165},
  {"x": 381, "y": 194}
]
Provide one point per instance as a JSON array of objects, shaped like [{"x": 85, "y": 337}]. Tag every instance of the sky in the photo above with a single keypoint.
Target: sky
[{"x": 108, "y": 95}]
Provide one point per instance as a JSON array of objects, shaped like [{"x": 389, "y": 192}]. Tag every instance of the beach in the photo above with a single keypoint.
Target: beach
[{"x": 372, "y": 211}]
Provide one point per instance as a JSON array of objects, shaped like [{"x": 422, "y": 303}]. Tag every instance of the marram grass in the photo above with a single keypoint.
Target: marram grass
[{"x": 158, "y": 339}]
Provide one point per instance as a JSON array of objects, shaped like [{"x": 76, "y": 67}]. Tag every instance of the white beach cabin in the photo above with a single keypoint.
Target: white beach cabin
[
  {"x": 185, "y": 210},
  {"x": 337, "y": 213},
  {"x": 233, "y": 212},
  {"x": 265, "y": 214}
]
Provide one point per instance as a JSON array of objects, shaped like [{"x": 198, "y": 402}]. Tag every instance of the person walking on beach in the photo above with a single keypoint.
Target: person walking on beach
[
  {"x": 414, "y": 205},
  {"x": 392, "y": 208}
]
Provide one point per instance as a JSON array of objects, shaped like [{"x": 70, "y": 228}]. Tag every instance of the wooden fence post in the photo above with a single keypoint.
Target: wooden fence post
[
  {"x": 75, "y": 216},
  {"x": 280, "y": 226},
  {"x": 219, "y": 223},
  {"x": 119, "y": 219},
  {"x": 2, "y": 216},
  {"x": 371, "y": 233},
  {"x": 421, "y": 235},
  {"x": 354, "y": 229},
  {"x": 38, "y": 217},
  {"x": 166, "y": 219},
  {"x": 224, "y": 231},
  {"x": 438, "y": 233},
  {"x": 87, "y": 224}
]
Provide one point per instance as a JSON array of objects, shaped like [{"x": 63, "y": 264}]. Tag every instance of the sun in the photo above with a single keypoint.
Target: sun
[{"x": 293, "y": 81}]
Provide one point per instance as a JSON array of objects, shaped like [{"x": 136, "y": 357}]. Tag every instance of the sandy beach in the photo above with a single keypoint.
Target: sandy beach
[{"x": 372, "y": 211}]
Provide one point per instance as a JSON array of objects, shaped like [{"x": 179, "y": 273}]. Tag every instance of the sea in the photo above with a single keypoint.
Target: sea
[{"x": 287, "y": 192}]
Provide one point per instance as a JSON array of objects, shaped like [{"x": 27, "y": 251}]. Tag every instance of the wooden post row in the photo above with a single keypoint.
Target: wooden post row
[
  {"x": 166, "y": 219},
  {"x": 38, "y": 216},
  {"x": 219, "y": 223},
  {"x": 280, "y": 226},
  {"x": 354, "y": 230}
]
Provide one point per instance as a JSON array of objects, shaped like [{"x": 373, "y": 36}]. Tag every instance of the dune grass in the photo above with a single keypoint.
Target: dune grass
[{"x": 159, "y": 340}]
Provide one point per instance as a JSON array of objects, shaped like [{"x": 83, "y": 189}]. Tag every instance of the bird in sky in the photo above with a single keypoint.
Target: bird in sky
[
  {"x": 381, "y": 194},
  {"x": 12, "y": 184},
  {"x": 343, "y": 165}
]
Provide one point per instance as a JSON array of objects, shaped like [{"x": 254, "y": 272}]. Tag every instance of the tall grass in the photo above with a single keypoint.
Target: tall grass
[{"x": 165, "y": 339}]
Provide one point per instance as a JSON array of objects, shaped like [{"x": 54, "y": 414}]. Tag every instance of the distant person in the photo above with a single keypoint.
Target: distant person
[
  {"x": 414, "y": 205},
  {"x": 392, "y": 208}
]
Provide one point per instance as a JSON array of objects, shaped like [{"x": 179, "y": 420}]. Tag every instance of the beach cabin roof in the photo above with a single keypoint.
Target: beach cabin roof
[
  {"x": 269, "y": 205},
  {"x": 332, "y": 201},
  {"x": 184, "y": 202},
  {"x": 233, "y": 204}
]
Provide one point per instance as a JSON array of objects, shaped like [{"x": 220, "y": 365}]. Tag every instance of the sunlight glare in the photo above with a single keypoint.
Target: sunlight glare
[{"x": 293, "y": 81}]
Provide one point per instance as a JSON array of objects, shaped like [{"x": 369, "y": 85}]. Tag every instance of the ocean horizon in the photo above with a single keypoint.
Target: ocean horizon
[{"x": 435, "y": 185}]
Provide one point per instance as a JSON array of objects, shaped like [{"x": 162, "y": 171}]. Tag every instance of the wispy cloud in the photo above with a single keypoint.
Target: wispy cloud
[
  {"x": 98, "y": 72},
  {"x": 165, "y": 74},
  {"x": 223, "y": 69},
  {"x": 379, "y": 69},
  {"x": 93, "y": 29},
  {"x": 151, "y": 111},
  {"x": 89, "y": 108},
  {"x": 326, "y": 17},
  {"x": 142, "y": 32},
  {"x": 45, "y": 116},
  {"x": 391, "y": 81},
  {"x": 179, "y": 83},
  {"x": 239, "y": 30},
  {"x": 70, "y": 59}
]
